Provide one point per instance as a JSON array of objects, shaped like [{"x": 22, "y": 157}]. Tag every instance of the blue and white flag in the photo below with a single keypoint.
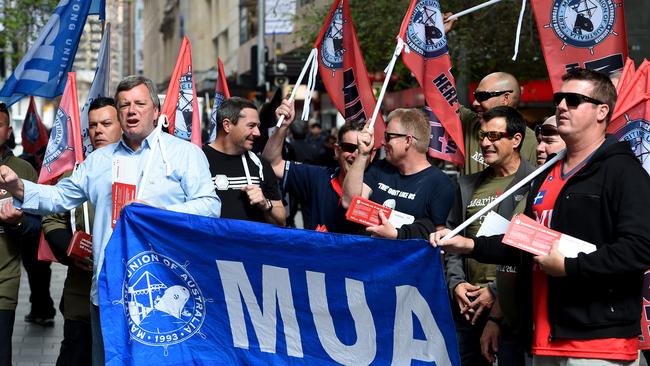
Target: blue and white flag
[
  {"x": 99, "y": 87},
  {"x": 179, "y": 289},
  {"x": 43, "y": 71}
]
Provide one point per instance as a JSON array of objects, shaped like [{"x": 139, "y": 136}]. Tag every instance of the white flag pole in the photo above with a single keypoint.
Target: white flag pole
[
  {"x": 389, "y": 72},
  {"x": 308, "y": 63},
  {"x": 507, "y": 193},
  {"x": 473, "y": 9}
]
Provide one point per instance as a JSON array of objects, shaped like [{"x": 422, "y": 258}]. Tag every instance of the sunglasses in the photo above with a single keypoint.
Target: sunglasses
[
  {"x": 348, "y": 147},
  {"x": 482, "y": 96},
  {"x": 390, "y": 135},
  {"x": 545, "y": 130},
  {"x": 573, "y": 99},
  {"x": 3, "y": 107},
  {"x": 491, "y": 135}
]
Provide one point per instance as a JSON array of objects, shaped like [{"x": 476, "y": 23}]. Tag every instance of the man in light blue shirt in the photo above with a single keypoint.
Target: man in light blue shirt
[{"x": 178, "y": 178}]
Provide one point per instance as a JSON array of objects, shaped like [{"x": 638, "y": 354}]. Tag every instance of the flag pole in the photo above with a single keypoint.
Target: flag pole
[
  {"x": 309, "y": 61},
  {"x": 505, "y": 195},
  {"x": 389, "y": 72},
  {"x": 473, "y": 9}
]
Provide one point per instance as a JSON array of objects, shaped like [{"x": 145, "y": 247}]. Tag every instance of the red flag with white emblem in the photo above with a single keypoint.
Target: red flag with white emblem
[
  {"x": 586, "y": 34},
  {"x": 64, "y": 148},
  {"x": 427, "y": 56},
  {"x": 343, "y": 69},
  {"x": 181, "y": 104}
]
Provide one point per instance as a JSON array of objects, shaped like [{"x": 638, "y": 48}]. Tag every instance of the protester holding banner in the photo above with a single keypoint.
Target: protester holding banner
[
  {"x": 245, "y": 183},
  {"x": 587, "y": 306},
  {"x": 496, "y": 89},
  {"x": 16, "y": 229},
  {"x": 548, "y": 140},
  {"x": 405, "y": 181},
  {"x": 318, "y": 188},
  {"x": 171, "y": 183},
  {"x": 76, "y": 346}
]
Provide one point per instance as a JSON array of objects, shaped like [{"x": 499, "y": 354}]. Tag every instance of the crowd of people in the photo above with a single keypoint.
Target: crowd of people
[{"x": 508, "y": 306}]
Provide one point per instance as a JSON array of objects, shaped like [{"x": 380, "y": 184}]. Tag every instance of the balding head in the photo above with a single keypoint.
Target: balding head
[{"x": 497, "y": 82}]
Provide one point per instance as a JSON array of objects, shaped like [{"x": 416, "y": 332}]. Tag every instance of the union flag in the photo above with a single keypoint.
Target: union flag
[
  {"x": 33, "y": 135},
  {"x": 221, "y": 93},
  {"x": 343, "y": 70},
  {"x": 181, "y": 104},
  {"x": 586, "y": 34},
  {"x": 427, "y": 56}
]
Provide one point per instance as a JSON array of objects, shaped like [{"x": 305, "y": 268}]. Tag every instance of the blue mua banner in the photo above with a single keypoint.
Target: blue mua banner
[
  {"x": 179, "y": 289},
  {"x": 43, "y": 71}
]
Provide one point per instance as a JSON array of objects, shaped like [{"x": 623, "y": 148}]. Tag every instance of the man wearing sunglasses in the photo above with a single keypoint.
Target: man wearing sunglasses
[
  {"x": 318, "y": 188},
  {"x": 548, "y": 140},
  {"x": 496, "y": 89},
  {"x": 584, "y": 309},
  {"x": 405, "y": 180}
]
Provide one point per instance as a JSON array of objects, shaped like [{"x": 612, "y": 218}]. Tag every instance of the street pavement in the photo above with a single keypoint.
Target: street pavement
[{"x": 34, "y": 345}]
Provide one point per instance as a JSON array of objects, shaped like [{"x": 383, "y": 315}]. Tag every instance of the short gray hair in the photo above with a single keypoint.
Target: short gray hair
[{"x": 132, "y": 81}]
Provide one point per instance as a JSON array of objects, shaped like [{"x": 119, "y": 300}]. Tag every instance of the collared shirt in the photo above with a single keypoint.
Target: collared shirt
[{"x": 187, "y": 188}]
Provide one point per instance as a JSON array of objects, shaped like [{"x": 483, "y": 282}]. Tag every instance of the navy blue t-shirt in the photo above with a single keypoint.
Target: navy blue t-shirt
[
  {"x": 428, "y": 193},
  {"x": 321, "y": 205}
]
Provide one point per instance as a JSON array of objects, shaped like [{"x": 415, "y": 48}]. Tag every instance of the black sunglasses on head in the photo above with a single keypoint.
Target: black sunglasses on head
[
  {"x": 348, "y": 147},
  {"x": 573, "y": 99},
  {"x": 491, "y": 135},
  {"x": 482, "y": 96},
  {"x": 545, "y": 130}
]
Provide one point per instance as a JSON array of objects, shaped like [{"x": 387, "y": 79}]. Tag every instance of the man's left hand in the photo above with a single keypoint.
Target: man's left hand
[
  {"x": 553, "y": 262},
  {"x": 384, "y": 230},
  {"x": 255, "y": 196},
  {"x": 484, "y": 299},
  {"x": 10, "y": 215}
]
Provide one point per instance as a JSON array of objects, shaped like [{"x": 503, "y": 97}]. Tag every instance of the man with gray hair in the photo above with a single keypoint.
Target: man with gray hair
[{"x": 178, "y": 181}]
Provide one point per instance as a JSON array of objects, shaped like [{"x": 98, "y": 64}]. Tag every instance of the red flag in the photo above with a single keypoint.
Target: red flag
[
  {"x": 33, "y": 133},
  {"x": 343, "y": 69},
  {"x": 626, "y": 75},
  {"x": 64, "y": 148},
  {"x": 635, "y": 88},
  {"x": 181, "y": 104},
  {"x": 221, "y": 93},
  {"x": 581, "y": 33},
  {"x": 427, "y": 56}
]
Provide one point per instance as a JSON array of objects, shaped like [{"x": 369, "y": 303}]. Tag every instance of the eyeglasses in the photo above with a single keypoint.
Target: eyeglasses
[
  {"x": 573, "y": 99},
  {"x": 545, "y": 130},
  {"x": 348, "y": 147},
  {"x": 491, "y": 135},
  {"x": 3, "y": 107},
  {"x": 390, "y": 135},
  {"x": 482, "y": 96}
]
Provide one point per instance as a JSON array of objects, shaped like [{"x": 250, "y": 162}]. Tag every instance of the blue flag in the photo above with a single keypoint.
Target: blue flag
[
  {"x": 98, "y": 7},
  {"x": 179, "y": 289},
  {"x": 99, "y": 87},
  {"x": 43, "y": 71}
]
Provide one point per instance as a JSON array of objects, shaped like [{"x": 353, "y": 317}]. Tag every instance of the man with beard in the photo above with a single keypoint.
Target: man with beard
[
  {"x": 318, "y": 188},
  {"x": 245, "y": 183}
]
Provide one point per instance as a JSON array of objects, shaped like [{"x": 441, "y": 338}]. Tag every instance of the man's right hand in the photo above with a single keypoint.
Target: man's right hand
[
  {"x": 456, "y": 244},
  {"x": 287, "y": 110},
  {"x": 460, "y": 294},
  {"x": 10, "y": 181},
  {"x": 365, "y": 142}
]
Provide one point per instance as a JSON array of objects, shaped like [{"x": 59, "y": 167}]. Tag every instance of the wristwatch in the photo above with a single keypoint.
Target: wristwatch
[{"x": 270, "y": 204}]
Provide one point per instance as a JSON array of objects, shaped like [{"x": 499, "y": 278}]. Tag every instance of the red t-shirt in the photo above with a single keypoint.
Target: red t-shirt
[{"x": 604, "y": 348}]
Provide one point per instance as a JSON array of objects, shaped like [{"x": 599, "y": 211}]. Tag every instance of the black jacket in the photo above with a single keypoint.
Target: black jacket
[{"x": 605, "y": 203}]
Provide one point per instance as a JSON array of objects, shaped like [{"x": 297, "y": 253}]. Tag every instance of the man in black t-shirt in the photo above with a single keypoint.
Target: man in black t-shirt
[{"x": 245, "y": 183}]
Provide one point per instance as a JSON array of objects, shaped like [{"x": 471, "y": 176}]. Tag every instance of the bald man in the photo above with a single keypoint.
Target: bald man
[{"x": 496, "y": 89}]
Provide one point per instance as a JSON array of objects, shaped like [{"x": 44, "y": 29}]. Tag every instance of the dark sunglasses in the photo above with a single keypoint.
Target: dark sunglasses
[
  {"x": 573, "y": 99},
  {"x": 482, "y": 96},
  {"x": 491, "y": 135},
  {"x": 390, "y": 135},
  {"x": 3, "y": 107},
  {"x": 348, "y": 147},
  {"x": 545, "y": 130}
]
